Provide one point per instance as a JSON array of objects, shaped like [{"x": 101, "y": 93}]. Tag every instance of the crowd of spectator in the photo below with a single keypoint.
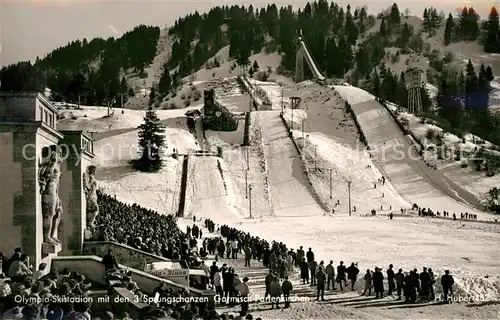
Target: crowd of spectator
[
  {"x": 152, "y": 232},
  {"x": 141, "y": 228}
]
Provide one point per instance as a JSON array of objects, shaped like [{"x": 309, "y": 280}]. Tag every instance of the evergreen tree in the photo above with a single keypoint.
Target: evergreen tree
[
  {"x": 395, "y": 16},
  {"x": 383, "y": 28},
  {"x": 468, "y": 27},
  {"x": 449, "y": 103},
  {"x": 426, "y": 23},
  {"x": 332, "y": 56},
  {"x": 450, "y": 25},
  {"x": 152, "y": 96},
  {"x": 492, "y": 40},
  {"x": 151, "y": 143},
  {"x": 489, "y": 74},
  {"x": 165, "y": 83},
  {"x": 77, "y": 87},
  {"x": 375, "y": 84}
]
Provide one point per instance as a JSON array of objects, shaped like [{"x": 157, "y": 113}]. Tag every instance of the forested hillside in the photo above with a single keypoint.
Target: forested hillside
[
  {"x": 343, "y": 41},
  {"x": 92, "y": 69}
]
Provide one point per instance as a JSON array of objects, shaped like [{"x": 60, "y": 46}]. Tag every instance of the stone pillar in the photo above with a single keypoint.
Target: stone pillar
[{"x": 78, "y": 149}]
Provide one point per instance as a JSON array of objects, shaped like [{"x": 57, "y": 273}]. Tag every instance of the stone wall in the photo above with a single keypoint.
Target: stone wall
[
  {"x": 124, "y": 254},
  {"x": 93, "y": 269}
]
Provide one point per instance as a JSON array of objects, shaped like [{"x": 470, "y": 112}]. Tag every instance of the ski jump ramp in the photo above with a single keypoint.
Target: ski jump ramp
[
  {"x": 303, "y": 52},
  {"x": 290, "y": 190}
]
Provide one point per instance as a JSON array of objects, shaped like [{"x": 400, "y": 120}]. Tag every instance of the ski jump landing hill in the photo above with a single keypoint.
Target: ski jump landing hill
[{"x": 411, "y": 177}]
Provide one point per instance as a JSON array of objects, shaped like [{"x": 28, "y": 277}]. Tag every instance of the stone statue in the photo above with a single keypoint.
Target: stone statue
[
  {"x": 49, "y": 175},
  {"x": 90, "y": 189}
]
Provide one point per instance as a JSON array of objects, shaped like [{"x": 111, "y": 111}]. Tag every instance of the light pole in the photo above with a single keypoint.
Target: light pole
[
  {"x": 248, "y": 158},
  {"x": 246, "y": 181},
  {"x": 349, "y": 190},
  {"x": 331, "y": 183},
  {"x": 250, "y": 199},
  {"x": 315, "y": 156},
  {"x": 303, "y": 121}
]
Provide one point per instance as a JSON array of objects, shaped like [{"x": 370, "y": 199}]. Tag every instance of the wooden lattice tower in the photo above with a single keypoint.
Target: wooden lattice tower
[
  {"x": 299, "y": 62},
  {"x": 413, "y": 80}
]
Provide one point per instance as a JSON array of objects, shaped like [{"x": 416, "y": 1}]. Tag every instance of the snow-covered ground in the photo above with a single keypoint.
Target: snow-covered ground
[
  {"x": 226, "y": 70},
  {"x": 291, "y": 193},
  {"x": 116, "y": 144}
]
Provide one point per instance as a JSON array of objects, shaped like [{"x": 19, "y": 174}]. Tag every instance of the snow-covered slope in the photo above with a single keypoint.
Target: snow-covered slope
[
  {"x": 116, "y": 144},
  {"x": 291, "y": 193},
  {"x": 410, "y": 176}
]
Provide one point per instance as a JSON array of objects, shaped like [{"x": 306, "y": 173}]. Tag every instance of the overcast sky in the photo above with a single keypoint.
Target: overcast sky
[{"x": 36, "y": 27}]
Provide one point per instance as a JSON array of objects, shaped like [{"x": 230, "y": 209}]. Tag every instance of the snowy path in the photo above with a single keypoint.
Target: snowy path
[
  {"x": 290, "y": 190},
  {"x": 409, "y": 175},
  {"x": 199, "y": 132},
  {"x": 209, "y": 192}
]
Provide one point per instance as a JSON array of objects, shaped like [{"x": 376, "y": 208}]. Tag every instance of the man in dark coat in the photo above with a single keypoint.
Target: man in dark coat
[
  {"x": 109, "y": 261},
  {"x": 330, "y": 272},
  {"x": 287, "y": 288},
  {"x": 299, "y": 257},
  {"x": 352, "y": 274},
  {"x": 213, "y": 270},
  {"x": 341, "y": 275},
  {"x": 321, "y": 280},
  {"x": 268, "y": 280},
  {"x": 433, "y": 280},
  {"x": 400, "y": 279},
  {"x": 425, "y": 282},
  {"x": 312, "y": 266},
  {"x": 390, "y": 279},
  {"x": 227, "y": 282},
  {"x": 410, "y": 289},
  {"x": 378, "y": 283},
  {"x": 310, "y": 255},
  {"x": 266, "y": 256},
  {"x": 304, "y": 271},
  {"x": 447, "y": 282}
]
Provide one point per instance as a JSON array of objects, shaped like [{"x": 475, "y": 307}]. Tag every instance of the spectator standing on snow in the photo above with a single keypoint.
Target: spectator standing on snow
[
  {"x": 378, "y": 283},
  {"x": 447, "y": 282},
  {"x": 244, "y": 291},
  {"x": 300, "y": 256},
  {"x": 390, "y": 279},
  {"x": 248, "y": 255},
  {"x": 352, "y": 274},
  {"x": 286, "y": 288},
  {"x": 400, "y": 279},
  {"x": 425, "y": 282},
  {"x": 330, "y": 273},
  {"x": 312, "y": 266},
  {"x": 310, "y": 255},
  {"x": 431, "y": 287},
  {"x": 368, "y": 282},
  {"x": 268, "y": 280},
  {"x": 217, "y": 282},
  {"x": 321, "y": 279},
  {"x": 234, "y": 249},
  {"x": 341, "y": 275},
  {"x": 304, "y": 271},
  {"x": 275, "y": 293}
]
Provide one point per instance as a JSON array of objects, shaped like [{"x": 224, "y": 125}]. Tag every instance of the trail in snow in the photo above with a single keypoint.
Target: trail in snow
[
  {"x": 211, "y": 189},
  {"x": 290, "y": 190}
]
